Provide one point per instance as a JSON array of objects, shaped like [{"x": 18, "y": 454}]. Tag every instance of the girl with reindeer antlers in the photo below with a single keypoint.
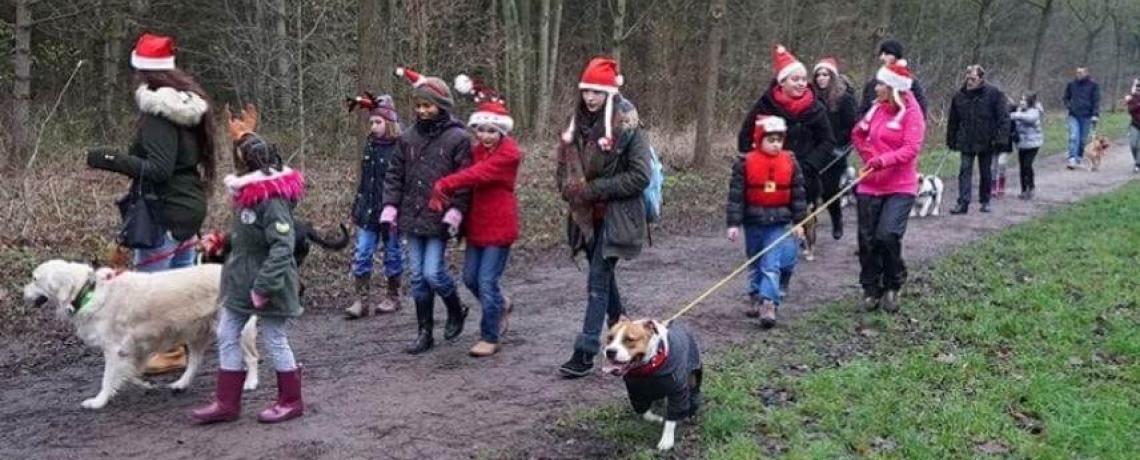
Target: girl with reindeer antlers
[
  {"x": 491, "y": 226},
  {"x": 259, "y": 276}
]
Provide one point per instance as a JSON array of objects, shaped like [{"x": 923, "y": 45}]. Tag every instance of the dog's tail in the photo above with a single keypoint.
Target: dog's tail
[{"x": 334, "y": 245}]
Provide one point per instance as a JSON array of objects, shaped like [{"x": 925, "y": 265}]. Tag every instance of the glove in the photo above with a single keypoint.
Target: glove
[
  {"x": 733, "y": 234},
  {"x": 258, "y": 300},
  {"x": 388, "y": 215},
  {"x": 875, "y": 164},
  {"x": 453, "y": 218},
  {"x": 101, "y": 156},
  {"x": 439, "y": 198}
]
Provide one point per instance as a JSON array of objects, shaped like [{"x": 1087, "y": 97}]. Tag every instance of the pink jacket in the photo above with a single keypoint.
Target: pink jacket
[{"x": 898, "y": 146}]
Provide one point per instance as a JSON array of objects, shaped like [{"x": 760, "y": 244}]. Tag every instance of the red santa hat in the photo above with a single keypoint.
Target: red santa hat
[
  {"x": 765, "y": 125},
  {"x": 433, "y": 89},
  {"x": 490, "y": 108},
  {"x": 153, "y": 52},
  {"x": 827, "y": 63},
  {"x": 897, "y": 76},
  {"x": 601, "y": 74},
  {"x": 785, "y": 64}
]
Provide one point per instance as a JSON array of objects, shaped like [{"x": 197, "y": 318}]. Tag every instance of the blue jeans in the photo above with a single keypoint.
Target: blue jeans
[
  {"x": 778, "y": 264},
  {"x": 173, "y": 258},
  {"x": 366, "y": 241},
  {"x": 482, "y": 269},
  {"x": 1079, "y": 128},
  {"x": 273, "y": 338},
  {"x": 604, "y": 299},
  {"x": 429, "y": 274}
]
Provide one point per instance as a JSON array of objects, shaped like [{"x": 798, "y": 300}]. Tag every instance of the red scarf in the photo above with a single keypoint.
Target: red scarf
[{"x": 793, "y": 106}]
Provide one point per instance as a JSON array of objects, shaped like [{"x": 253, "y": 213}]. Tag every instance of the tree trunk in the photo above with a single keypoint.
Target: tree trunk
[
  {"x": 523, "y": 62},
  {"x": 113, "y": 38},
  {"x": 22, "y": 87},
  {"x": 882, "y": 30},
  {"x": 981, "y": 30},
  {"x": 510, "y": 25},
  {"x": 285, "y": 100},
  {"x": 702, "y": 147},
  {"x": 1117, "y": 56},
  {"x": 1039, "y": 41},
  {"x": 619, "y": 30},
  {"x": 370, "y": 33},
  {"x": 543, "y": 105}
]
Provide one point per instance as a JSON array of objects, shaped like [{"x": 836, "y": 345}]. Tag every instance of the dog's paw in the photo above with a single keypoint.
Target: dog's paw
[
  {"x": 179, "y": 386},
  {"x": 94, "y": 403},
  {"x": 665, "y": 444},
  {"x": 651, "y": 417},
  {"x": 250, "y": 384}
]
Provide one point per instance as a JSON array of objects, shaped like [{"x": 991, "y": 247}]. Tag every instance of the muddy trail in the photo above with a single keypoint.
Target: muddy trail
[{"x": 367, "y": 399}]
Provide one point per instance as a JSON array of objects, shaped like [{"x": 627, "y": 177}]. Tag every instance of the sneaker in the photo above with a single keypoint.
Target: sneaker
[
  {"x": 960, "y": 209},
  {"x": 1072, "y": 164},
  {"x": 985, "y": 207},
  {"x": 579, "y": 365},
  {"x": 891, "y": 302},
  {"x": 1136, "y": 169}
]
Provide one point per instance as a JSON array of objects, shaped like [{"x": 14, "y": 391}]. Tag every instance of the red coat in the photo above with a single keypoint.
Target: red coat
[{"x": 493, "y": 216}]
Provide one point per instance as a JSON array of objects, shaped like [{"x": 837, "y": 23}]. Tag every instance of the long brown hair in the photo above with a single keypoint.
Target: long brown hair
[
  {"x": 205, "y": 131},
  {"x": 835, "y": 90}
]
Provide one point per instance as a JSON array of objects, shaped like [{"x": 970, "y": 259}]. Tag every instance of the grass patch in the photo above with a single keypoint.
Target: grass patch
[{"x": 1023, "y": 346}]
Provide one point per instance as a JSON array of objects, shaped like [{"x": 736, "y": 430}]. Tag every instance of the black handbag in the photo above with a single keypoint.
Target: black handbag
[{"x": 141, "y": 228}]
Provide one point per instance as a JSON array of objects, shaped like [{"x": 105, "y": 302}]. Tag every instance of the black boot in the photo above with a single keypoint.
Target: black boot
[
  {"x": 960, "y": 209},
  {"x": 424, "y": 340},
  {"x": 456, "y": 316},
  {"x": 579, "y": 365}
]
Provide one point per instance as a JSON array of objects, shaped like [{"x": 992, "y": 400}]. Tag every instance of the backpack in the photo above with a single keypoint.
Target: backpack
[{"x": 652, "y": 193}]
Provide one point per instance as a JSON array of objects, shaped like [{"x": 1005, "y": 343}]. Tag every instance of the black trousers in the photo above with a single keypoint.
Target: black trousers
[
  {"x": 829, "y": 182},
  {"x": 966, "y": 176},
  {"x": 882, "y": 224},
  {"x": 1025, "y": 165},
  {"x": 811, "y": 184}
]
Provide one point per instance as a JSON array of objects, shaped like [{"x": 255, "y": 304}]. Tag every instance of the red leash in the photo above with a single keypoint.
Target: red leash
[{"x": 162, "y": 255}]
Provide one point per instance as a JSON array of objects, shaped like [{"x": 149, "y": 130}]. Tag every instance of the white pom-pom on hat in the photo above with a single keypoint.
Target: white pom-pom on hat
[
  {"x": 399, "y": 71},
  {"x": 463, "y": 84}
]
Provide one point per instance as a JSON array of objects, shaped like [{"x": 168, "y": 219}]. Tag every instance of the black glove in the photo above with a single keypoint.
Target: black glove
[{"x": 102, "y": 157}]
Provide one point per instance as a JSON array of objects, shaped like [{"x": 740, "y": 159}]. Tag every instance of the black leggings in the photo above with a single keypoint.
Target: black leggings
[
  {"x": 882, "y": 224},
  {"x": 829, "y": 181},
  {"x": 1025, "y": 165}
]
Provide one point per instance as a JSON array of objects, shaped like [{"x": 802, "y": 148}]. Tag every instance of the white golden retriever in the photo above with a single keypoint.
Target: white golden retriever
[{"x": 132, "y": 315}]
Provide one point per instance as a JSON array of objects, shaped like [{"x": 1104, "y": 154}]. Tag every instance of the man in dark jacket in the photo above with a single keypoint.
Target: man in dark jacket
[
  {"x": 437, "y": 145},
  {"x": 1082, "y": 98},
  {"x": 978, "y": 127},
  {"x": 890, "y": 50}
]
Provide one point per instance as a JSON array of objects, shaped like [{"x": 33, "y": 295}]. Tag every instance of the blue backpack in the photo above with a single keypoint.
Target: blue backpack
[{"x": 652, "y": 193}]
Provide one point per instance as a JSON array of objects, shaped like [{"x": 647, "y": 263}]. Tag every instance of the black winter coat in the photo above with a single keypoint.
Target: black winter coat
[
  {"x": 369, "y": 202},
  {"x": 425, "y": 156},
  {"x": 809, "y": 134},
  {"x": 1082, "y": 98},
  {"x": 842, "y": 117},
  {"x": 979, "y": 121}
]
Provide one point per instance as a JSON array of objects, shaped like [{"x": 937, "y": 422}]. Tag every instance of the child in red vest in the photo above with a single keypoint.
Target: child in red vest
[{"x": 767, "y": 197}]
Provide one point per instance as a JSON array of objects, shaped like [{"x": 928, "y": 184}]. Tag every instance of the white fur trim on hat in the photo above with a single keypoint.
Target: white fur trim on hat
[
  {"x": 826, "y": 65},
  {"x": 603, "y": 88},
  {"x": 181, "y": 107},
  {"x": 148, "y": 63},
  {"x": 503, "y": 122},
  {"x": 772, "y": 124},
  {"x": 789, "y": 69},
  {"x": 894, "y": 80}
]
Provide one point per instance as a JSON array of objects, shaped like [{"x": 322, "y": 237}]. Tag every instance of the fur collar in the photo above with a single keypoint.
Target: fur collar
[
  {"x": 249, "y": 190},
  {"x": 180, "y": 107}
]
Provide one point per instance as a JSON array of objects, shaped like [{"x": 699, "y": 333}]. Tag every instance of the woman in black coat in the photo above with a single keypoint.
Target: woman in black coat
[{"x": 838, "y": 95}]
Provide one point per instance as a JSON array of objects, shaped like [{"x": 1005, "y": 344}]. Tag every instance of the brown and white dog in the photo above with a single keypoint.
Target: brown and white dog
[
  {"x": 656, "y": 362},
  {"x": 1095, "y": 151}
]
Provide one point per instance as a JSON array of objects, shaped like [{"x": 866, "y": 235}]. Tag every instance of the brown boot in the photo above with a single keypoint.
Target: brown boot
[
  {"x": 161, "y": 363},
  {"x": 767, "y": 314},
  {"x": 360, "y": 308},
  {"x": 391, "y": 301},
  {"x": 483, "y": 349},
  {"x": 753, "y": 310}
]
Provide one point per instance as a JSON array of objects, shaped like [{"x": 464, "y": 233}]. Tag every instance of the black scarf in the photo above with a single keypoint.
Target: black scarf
[{"x": 434, "y": 127}]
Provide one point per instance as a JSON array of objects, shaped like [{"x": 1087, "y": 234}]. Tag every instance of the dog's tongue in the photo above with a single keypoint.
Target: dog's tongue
[{"x": 613, "y": 369}]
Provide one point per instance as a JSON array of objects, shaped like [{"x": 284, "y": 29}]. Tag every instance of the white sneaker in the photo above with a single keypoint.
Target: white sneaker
[
  {"x": 1136, "y": 169},
  {"x": 1072, "y": 163}
]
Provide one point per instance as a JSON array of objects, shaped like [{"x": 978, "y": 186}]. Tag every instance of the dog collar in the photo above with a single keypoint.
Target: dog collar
[
  {"x": 86, "y": 294},
  {"x": 654, "y": 364}
]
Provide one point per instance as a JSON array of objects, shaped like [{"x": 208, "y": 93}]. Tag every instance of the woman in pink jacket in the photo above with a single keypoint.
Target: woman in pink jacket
[{"x": 888, "y": 140}]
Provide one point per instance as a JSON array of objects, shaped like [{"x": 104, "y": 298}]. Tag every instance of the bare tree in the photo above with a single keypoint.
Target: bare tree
[
  {"x": 982, "y": 27},
  {"x": 22, "y": 70},
  {"x": 1046, "y": 8},
  {"x": 547, "y": 62},
  {"x": 1093, "y": 16},
  {"x": 715, "y": 27}
]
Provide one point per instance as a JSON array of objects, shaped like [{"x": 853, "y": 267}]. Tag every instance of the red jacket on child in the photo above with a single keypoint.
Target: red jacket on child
[{"x": 492, "y": 218}]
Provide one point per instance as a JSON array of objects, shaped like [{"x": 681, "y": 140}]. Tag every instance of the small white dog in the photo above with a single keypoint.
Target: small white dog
[
  {"x": 929, "y": 199},
  {"x": 132, "y": 315}
]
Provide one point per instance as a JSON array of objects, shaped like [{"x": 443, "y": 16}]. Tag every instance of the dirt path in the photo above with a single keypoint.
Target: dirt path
[{"x": 366, "y": 399}]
